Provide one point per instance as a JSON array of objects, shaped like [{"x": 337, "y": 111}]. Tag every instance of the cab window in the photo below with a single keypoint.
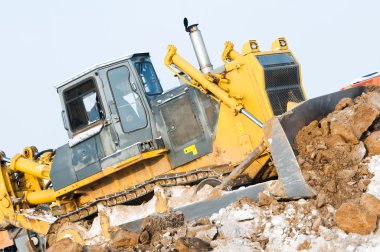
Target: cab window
[
  {"x": 149, "y": 78},
  {"x": 129, "y": 106},
  {"x": 83, "y": 106}
]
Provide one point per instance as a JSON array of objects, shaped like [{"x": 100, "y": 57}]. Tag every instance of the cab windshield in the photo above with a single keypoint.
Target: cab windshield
[{"x": 149, "y": 78}]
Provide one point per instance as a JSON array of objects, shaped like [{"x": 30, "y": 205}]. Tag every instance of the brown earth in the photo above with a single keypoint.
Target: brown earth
[
  {"x": 331, "y": 150},
  {"x": 65, "y": 245},
  {"x": 372, "y": 143},
  {"x": 124, "y": 239},
  {"x": 371, "y": 203},
  {"x": 355, "y": 218},
  {"x": 158, "y": 222}
]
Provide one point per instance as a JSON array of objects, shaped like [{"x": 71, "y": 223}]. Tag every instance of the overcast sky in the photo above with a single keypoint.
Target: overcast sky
[{"x": 43, "y": 43}]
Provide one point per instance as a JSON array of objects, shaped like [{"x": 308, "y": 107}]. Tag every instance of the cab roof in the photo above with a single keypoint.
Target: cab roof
[{"x": 99, "y": 66}]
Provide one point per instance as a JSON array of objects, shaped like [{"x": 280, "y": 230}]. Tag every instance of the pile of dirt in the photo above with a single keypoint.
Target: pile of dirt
[{"x": 331, "y": 151}]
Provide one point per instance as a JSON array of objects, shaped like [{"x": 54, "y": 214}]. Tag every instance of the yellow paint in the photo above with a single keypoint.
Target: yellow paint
[
  {"x": 6, "y": 209},
  {"x": 173, "y": 58},
  {"x": 110, "y": 170},
  {"x": 229, "y": 53},
  {"x": 38, "y": 226},
  {"x": 243, "y": 87},
  {"x": 279, "y": 44},
  {"x": 161, "y": 205},
  {"x": 20, "y": 163},
  {"x": 40, "y": 197},
  {"x": 73, "y": 231},
  {"x": 72, "y": 234},
  {"x": 105, "y": 224},
  {"x": 191, "y": 149}
]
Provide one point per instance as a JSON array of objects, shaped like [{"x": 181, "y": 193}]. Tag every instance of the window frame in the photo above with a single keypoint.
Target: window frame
[
  {"x": 134, "y": 91},
  {"x": 101, "y": 109},
  {"x": 154, "y": 70}
]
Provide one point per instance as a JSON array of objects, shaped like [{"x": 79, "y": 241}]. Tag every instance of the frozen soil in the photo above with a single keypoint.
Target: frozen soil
[{"x": 340, "y": 160}]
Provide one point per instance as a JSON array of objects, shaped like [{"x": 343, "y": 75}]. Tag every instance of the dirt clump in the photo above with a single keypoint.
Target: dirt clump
[
  {"x": 371, "y": 203},
  {"x": 372, "y": 143},
  {"x": 186, "y": 244},
  {"x": 94, "y": 248},
  {"x": 123, "y": 239},
  {"x": 203, "y": 221},
  {"x": 157, "y": 222},
  {"x": 65, "y": 245},
  {"x": 264, "y": 199},
  {"x": 331, "y": 150},
  {"x": 355, "y": 218},
  {"x": 305, "y": 245},
  {"x": 204, "y": 232}
]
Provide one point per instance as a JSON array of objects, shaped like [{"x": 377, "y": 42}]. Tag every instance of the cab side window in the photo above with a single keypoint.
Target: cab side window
[{"x": 83, "y": 105}]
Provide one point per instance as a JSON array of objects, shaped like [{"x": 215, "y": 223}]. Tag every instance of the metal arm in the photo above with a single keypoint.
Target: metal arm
[{"x": 172, "y": 58}]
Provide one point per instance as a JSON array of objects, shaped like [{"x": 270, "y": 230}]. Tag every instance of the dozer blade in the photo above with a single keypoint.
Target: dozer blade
[{"x": 280, "y": 133}]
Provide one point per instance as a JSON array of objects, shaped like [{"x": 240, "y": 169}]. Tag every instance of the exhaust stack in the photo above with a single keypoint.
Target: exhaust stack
[{"x": 199, "y": 47}]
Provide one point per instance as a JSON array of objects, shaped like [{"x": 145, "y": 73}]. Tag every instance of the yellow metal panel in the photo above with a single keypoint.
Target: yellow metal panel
[
  {"x": 6, "y": 206},
  {"x": 109, "y": 171}
]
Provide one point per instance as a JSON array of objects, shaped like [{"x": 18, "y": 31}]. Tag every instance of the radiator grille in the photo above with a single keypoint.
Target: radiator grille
[{"x": 282, "y": 81}]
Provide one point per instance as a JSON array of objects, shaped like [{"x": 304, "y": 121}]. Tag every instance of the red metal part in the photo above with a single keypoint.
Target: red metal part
[{"x": 372, "y": 79}]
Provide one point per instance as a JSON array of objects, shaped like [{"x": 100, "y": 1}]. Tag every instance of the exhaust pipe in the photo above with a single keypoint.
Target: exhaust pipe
[{"x": 199, "y": 47}]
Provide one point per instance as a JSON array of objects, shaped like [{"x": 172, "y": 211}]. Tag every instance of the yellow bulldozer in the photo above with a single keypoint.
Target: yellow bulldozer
[{"x": 126, "y": 136}]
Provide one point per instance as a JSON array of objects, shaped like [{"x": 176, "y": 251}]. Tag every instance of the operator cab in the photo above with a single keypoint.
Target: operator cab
[
  {"x": 91, "y": 97},
  {"x": 107, "y": 114}
]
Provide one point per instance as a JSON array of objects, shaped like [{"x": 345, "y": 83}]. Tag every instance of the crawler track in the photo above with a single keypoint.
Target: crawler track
[{"x": 134, "y": 193}]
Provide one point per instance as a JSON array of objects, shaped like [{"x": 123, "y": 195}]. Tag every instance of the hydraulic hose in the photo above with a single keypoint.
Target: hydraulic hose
[{"x": 43, "y": 152}]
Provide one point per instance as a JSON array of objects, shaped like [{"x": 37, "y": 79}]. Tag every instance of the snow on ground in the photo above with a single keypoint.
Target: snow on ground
[
  {"x": 282, "y": 233},
  {"x": 174, "y": 196},
  {"x": 374, "y": 167},
  {"x": 244, "y": 226},
  {"x": 247, "y": 226}
]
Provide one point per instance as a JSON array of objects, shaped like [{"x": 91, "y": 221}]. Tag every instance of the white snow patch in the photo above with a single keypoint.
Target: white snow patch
[
  {"x": 374, "y": 167},
  {"x": 42, "y": 215},
  {"x": 236, "y": 224},
  {"x": 242, "y": 245},
  {"x": 94, "y": 236}
]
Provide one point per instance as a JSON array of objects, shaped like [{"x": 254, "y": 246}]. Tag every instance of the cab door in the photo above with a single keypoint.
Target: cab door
[{"x": 127, "y": 105}]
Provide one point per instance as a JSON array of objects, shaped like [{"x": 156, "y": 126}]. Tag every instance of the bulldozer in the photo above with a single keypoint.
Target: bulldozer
[{"x": 234, "y": 124}]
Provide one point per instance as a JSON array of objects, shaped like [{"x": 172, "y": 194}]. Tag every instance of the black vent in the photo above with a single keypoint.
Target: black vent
[{"x": 282, "y": 81}]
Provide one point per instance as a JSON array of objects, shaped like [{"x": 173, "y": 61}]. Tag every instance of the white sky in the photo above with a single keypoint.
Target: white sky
[{"x": 43, "y": 43}]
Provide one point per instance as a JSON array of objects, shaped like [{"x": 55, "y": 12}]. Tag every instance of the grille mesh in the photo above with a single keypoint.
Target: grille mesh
[
  {"x": 280, "y": 98},
  {"x": 282, "y": 82}
]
